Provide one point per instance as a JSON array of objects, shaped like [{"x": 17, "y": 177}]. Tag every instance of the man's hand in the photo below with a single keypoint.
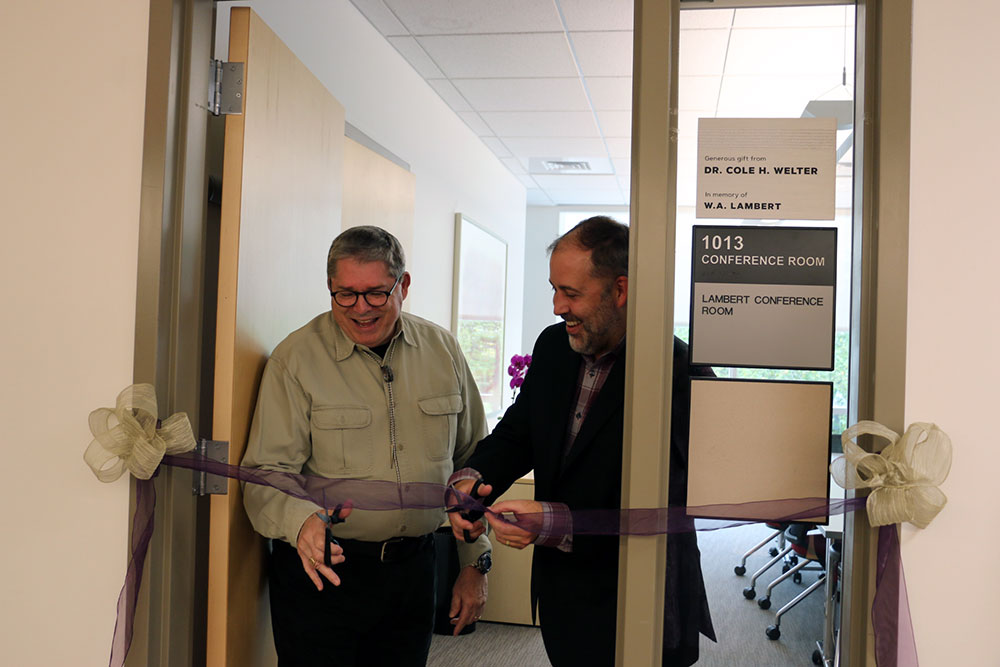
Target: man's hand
[
  {"x": 311, "y": 543},
  {"x": 468, "y": 597},
  {"x": 458, "y": 523},
  {"x": 519, "y": 530}
]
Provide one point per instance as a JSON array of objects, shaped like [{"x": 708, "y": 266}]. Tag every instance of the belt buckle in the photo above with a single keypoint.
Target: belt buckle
[{"x": 387, "y": 546}]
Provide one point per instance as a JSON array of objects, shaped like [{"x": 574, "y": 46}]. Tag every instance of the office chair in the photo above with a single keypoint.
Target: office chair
[
  {"x": 778, "y": 536},
  {"x": 786, "y": 554},
  {"x": 811, "y": 547}
]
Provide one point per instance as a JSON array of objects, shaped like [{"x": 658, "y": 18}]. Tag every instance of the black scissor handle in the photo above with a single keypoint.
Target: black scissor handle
[
  {"x": 472, "y": 515},
  {"x": 330, "y": 520}
]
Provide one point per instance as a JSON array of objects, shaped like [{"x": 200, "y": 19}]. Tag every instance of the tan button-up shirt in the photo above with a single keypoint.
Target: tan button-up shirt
[{"x": 325, "y": 408}]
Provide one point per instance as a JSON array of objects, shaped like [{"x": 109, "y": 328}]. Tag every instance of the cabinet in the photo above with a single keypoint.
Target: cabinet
[{"x": 510, "y": 580}]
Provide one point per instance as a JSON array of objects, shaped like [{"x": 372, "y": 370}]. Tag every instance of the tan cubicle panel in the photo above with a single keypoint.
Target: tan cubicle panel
[
  {"x": 510, "y": 581},
  {"x": 754, "y": 441}
]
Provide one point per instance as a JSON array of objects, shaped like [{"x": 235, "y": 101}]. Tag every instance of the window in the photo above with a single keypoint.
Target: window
[{"x": 780, "y": 62}]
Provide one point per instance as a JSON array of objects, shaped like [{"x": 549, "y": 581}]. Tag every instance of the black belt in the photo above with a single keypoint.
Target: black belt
[{"x": 393, "y": 550}]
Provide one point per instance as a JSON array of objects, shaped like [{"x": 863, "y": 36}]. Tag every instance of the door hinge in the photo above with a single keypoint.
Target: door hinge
[
  {"x": 226, "y": 94},
  {"x": 205, "y": 483}
]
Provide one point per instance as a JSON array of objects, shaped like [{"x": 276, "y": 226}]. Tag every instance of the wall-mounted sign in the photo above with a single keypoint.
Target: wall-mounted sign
[
  {"x": 767, "y": 168},
  {"x": 763, "y": 296}
]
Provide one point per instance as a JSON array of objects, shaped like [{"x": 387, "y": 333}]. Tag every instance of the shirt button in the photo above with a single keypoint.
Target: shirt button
[
  {"x": 593, "y": 373},
  {"x": 402, "y": 529},
  {"x": 399, "y": 448},
  {"x": 578, "y": 415}
]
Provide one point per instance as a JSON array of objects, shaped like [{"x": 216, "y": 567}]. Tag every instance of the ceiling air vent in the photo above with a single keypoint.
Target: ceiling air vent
[{"x": 566, "y": 165}]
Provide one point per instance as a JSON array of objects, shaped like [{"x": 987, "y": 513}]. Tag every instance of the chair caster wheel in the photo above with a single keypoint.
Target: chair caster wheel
[
  {"x": 794, "y": 560},
  {"x": 785, "y": 568},
  {"x": 749, "y": 593},
  {"x": 797, "y": 578},
  {"x": 817, "y": 657},
  {"x": 772, "y": 632},
  {"x": 739, "y": 570},
  {"x": 773, "y": 551},
  {"x": 764, "y": 603}
]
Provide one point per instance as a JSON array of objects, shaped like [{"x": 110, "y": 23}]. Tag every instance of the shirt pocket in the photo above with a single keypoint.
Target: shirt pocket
[
  {"x": 440, "y": 418},
  {"x": 342, "y": 440}
]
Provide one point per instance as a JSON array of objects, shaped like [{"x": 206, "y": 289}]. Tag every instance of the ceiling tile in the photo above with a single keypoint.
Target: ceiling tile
[
  {"x": 619, "y": 148},
  {"x": 542, "y": 123},
  {"x": 481, "y": 56},
  {"x": 710, "y": 18},
  {"x": 622, "y": 166},
  {"x": 698, "y": 92},
  {"x": 381, "y": 17},
  {"x": 772, "y": 96},
  {"x": 781, "y": 51},
  {"x": 624, "y": 182},
  {"x": 563, "y": 182},
  {"x": 456, "y": 17},
  {"x": 526, "y": 180},
  {"x": 542, "y": 94},
  {"x": 610, "y": 93},
  {"x": 615, "y": 123},
  {"x": 497, "y": 146},
  {"x": 603, "y": 53},
  {"x": 551, "y": 147},
  {"x": 449, "y": 94},
  {"x": 416, "y": 56},
  {"x": 515, "y": 166},
  {"x": 537, "y": 197},
  {"x": 794, "y": 17},
  {"x": 474, "y": 121},
  {"x": 597, "y": 14},
  {"x": 702, "y": 52},
  {"x": 575, "y": 196}
]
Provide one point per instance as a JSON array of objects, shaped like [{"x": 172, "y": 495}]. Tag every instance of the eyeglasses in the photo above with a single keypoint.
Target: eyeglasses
[{"x": 374, "y": 298}]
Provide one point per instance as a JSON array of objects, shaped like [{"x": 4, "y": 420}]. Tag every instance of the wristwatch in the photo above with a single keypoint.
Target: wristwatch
[{"x": 484, "y": 563}]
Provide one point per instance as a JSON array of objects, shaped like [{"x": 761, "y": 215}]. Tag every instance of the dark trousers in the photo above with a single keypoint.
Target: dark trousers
[
  {"x": 381, "y": 614},
  {"x": 583, "y": 631}
]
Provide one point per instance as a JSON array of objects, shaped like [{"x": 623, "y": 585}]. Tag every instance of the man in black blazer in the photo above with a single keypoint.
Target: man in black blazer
[{"x": 567, "y": 426}]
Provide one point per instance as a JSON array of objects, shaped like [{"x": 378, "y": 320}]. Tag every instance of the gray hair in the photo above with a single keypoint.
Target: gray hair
[
  {"x": 367, "y": 244},
  {"x": 607, "y": 241}
]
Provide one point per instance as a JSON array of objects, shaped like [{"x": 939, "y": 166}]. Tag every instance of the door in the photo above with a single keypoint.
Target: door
[{"x": 281, "y": 207}]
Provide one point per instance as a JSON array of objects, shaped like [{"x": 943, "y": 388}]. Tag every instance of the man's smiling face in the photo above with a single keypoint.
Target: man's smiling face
[
  {"x": 593, "y": 308},
  {"x": 362, "y": 323}
]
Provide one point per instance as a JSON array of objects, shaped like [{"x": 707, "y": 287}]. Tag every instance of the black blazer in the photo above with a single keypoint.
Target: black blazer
[{"x": 531, "y": 436}]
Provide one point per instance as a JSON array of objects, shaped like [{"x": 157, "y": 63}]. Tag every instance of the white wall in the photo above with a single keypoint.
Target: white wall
[
  {"x": 953, "y": 327},
  {"x": 387, "y": 100},
  {"x": 71, "y": 136}
]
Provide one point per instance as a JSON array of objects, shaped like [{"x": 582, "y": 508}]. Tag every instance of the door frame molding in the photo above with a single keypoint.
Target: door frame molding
[
  {"x": 173, "y": 328},
  {"x": 171, "y": 322}
]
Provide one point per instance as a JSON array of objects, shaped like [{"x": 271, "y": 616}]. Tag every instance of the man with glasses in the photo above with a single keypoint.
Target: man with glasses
[{"x": 364, "y": 392}]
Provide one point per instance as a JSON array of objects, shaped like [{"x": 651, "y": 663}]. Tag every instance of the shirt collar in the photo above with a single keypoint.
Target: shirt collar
[
  {"x": 343, "y": 346},
  {"x": 608, "y": 357}
]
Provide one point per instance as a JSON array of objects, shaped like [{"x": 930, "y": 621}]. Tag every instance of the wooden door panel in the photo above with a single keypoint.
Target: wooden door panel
[{"x": 281, "y": 204}]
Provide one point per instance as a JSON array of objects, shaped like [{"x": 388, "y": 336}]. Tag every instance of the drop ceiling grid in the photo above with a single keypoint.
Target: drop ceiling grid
[
  {"x": 505, "y": 69},
  {"x": 553, "y": 79}
]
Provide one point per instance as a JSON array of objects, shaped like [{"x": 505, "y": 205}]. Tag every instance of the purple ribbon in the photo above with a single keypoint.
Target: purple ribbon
[
  {"x": 895, "y": 644},
  {"x": 142, "y": 532}
]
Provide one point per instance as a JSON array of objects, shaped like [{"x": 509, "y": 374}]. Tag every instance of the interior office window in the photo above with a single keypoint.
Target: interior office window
[{"x": 781, "y": 62}]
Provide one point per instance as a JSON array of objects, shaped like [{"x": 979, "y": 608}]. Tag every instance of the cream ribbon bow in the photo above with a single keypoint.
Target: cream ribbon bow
[
  {"x": 129, "y": 436},
  {"x": 905, "y": 475}
]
